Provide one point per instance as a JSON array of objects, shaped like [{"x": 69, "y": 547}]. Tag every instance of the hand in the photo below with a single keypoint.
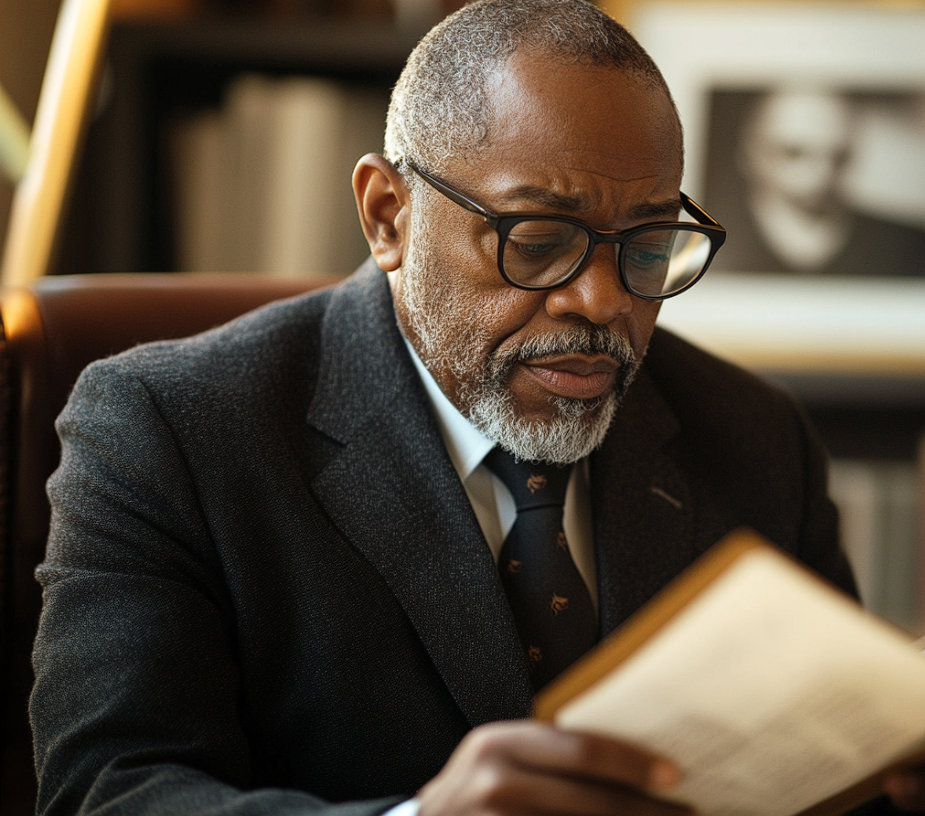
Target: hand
[
  {"x": 907, "y": 788},
  {"x": 527, "y": 767}
]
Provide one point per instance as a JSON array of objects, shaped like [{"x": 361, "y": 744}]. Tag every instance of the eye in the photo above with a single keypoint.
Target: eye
[
  {"x": 646, "y": 255},
  {"x": 540, "y": 240}
]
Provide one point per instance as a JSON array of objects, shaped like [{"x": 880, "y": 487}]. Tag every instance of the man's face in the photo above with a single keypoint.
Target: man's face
[
  {"x": 798, "y": 148},
  {"x": 542, "y": 372}
]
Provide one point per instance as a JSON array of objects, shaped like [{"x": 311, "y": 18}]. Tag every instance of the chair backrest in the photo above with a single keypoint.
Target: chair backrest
[
  {"x": 50, "y": 331},
  {"x": 68, "y": 90}
]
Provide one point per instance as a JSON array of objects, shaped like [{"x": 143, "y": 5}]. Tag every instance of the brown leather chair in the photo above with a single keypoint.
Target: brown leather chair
[{"x": 50, "y": 331}]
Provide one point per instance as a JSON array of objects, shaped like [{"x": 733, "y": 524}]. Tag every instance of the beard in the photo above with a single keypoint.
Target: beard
[
  {"x": 456, "y": 346},
  {"x": 576, "y": 427}
]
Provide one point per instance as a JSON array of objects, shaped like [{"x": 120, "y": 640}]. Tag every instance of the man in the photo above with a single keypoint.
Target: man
[
  {"x": 271, "y": 584},
  {"x": 796, "y": 215}
]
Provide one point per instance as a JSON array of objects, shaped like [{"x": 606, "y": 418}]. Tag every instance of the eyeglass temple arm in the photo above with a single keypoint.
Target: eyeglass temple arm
[
  {"x": 698, "y": 212},
  {"x": 454, "y": 195},
  {"x": 690, "y": 206}
]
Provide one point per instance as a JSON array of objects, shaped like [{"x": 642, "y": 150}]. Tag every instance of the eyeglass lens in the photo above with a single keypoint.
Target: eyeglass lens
[{"x": 656, "y": 262}]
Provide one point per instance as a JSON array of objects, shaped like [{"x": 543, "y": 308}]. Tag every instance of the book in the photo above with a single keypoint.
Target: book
[
  {"x": 319, "y": 129},
  {"x": 878, "y": 505},
  {"x": 263, "y": 184},
  {"x": 774, "y": 692}
]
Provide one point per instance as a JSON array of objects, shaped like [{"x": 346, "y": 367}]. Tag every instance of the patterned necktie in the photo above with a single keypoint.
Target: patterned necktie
[{"x": 547, "y": 595}]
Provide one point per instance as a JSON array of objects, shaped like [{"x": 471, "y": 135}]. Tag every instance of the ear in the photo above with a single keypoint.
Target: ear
[{"x": 384, "y": 206}]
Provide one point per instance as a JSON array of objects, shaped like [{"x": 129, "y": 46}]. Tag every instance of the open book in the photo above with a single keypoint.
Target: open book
[{"x": 774, "y": 692}]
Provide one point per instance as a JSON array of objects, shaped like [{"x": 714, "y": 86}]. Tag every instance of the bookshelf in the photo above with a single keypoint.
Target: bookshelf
[{"x": 157, "y": 72}]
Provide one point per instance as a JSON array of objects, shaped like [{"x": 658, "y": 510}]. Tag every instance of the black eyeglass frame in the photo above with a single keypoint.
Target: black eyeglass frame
[{"x": 504, "y": 223}]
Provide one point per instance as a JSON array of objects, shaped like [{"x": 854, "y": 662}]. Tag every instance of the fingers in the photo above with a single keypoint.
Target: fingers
[
  {"x": 544, "y": 748},
  {"x": 907, "y": 788},
  {"x": 525, "y": 792},
  {"x": 532, "y": 768}
]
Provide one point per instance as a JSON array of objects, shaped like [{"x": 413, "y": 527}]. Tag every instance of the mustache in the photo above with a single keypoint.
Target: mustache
[{"x": 590, "y": 340}]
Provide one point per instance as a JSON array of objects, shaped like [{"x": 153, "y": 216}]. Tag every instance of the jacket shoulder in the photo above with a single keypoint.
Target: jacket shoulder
[
  {"x": 266, "y": 348},
  {"x": 690, "y": 377}
]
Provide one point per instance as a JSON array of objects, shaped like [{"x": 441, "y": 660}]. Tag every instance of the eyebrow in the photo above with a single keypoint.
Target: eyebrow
[
  {"x": 547, "y": 198},
  {"x": 656, "y": 210}
]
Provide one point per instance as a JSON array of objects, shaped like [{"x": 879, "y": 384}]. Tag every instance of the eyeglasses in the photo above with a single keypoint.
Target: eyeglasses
[{"x": 656, "y": 261}]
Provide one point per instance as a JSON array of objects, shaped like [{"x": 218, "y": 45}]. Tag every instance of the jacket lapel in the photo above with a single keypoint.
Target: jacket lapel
[
  {"x": 392, "y": 491},
  {"x": 641, "y": 503}
]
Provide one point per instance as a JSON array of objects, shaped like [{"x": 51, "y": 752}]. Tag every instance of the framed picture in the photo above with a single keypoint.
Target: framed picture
[
  {"x": 818, "y": 178},
  {"x": 805, "y": 129},
  {"x": 805, "y": 137}
]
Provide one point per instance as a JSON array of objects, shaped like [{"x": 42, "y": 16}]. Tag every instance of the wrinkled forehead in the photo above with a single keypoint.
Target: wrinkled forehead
[
  {"x": 559, "y": 109},
  {"x": 596, "y": 135}
]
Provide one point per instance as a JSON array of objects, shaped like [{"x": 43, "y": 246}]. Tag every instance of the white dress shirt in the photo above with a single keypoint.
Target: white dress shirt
[{"x": 491, "y": 500}]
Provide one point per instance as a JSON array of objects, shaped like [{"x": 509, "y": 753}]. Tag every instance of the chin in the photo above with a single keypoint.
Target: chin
[{"x": 574, "y": 429}]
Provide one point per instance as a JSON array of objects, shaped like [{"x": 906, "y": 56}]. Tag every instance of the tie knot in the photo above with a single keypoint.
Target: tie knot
[{"x": 532, "y": 484}]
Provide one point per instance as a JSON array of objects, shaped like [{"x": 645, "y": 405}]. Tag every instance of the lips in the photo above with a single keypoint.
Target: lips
[{"x": 574, "y": 376}]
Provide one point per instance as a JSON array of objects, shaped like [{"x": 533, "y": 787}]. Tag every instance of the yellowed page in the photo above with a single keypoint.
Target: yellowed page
[{"x": 771, "y": 690}]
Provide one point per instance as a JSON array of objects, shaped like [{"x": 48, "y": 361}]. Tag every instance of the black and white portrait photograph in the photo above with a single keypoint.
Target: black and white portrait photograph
[{"x": 811, "y": 178}]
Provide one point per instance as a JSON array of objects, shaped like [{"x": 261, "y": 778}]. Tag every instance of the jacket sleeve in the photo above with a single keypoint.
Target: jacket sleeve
[{"x": 136, "y": 704}]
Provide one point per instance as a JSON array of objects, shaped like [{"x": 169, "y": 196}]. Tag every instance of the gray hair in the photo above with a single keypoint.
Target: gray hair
[{"x": 440, "y": 107}]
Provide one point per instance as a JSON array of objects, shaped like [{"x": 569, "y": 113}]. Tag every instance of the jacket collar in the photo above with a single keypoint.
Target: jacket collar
[
  {"x": 643, "y": 514},
  {"x": 392, "y": 491}
]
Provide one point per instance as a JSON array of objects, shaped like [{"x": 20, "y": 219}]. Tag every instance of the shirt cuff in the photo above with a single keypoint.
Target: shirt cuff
[{"x": 409, "y": 808}]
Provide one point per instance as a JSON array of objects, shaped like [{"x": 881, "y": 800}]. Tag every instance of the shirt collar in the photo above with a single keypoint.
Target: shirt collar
[{"x": 466, "y": 444}]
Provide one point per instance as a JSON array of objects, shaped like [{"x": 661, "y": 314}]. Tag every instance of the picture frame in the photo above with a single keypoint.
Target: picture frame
[
  {"x": 770, "y": 319},
  {"x": 702, "y": 46}
]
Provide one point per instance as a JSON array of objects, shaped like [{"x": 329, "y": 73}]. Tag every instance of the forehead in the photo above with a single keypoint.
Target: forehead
[{"x": 597, "y": 138}]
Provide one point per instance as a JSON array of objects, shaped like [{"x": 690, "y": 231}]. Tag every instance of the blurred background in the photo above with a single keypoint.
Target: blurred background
[
  {"x": 221, "y": 123},
  {"x": 225, "y": 131}
]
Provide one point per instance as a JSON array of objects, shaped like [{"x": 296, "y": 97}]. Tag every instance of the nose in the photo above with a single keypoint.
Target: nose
[{"x": 596, "y": 293}]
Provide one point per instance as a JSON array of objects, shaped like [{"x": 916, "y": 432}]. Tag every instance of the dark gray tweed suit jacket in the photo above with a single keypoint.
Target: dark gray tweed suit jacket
[{"x": 266, "y": 592}]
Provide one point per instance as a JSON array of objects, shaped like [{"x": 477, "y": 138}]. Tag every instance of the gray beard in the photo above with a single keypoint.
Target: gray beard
[
  {"x": 451, "y": 340},
  {"x": 577, "y": 427}
]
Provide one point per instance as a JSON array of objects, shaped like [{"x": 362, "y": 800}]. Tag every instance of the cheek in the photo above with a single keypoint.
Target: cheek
[
  {"x": 475, "y": 291},
  {"x": 470, "y": 260},
  {"x": 641, "y": 324},
  {"x": 458, "y": 262},
  {"x": 460, "y": 255},
  {"x": 505, "y": 312}
]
